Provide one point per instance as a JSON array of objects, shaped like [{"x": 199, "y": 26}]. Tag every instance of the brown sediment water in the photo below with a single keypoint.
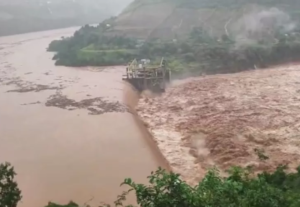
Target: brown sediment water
[
  {"x": 132, "y": 98},
  {"x": 224, "y": 120},
  {"x": 55, "y": 129}
]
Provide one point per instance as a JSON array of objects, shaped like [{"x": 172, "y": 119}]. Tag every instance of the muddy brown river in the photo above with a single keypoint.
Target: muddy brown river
[{"x": 54, "y": 131}]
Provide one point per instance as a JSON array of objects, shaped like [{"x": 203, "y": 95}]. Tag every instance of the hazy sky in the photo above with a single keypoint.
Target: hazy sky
[{"x": 114, "y": 6}]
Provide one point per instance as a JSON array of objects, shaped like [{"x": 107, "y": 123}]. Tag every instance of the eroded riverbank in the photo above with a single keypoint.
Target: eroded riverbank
[
  {"x": 66, "y": 130},
  {"x": 222, "y": 120}
]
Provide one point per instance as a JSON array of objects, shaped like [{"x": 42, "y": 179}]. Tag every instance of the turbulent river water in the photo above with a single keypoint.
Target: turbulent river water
[{"x": 59, "y": 150}]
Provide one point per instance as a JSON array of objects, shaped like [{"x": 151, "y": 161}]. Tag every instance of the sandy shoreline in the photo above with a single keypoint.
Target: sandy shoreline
[{"x": 221, "y": 120}]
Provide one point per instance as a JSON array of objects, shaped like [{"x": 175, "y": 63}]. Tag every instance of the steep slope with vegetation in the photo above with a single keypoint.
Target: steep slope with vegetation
[
  {"x": 178, "y": 17},
  {"x": 194, "y": 36},
  {"x": 20, "y": 16}
]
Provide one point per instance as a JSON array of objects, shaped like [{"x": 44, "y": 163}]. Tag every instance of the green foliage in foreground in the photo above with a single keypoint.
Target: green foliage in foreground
[
  {"x": 10, "y": 194},
  {"x": 240, "y": 189}
]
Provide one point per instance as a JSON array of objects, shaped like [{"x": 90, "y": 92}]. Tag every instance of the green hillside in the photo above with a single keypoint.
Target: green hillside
[
  {"x": 195, "y": 36},
  {"x": 165, "y": 18}
]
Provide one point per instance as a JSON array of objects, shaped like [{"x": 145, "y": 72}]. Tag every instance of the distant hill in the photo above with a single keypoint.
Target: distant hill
[
  {"x": 170, "y": 18},
  {"x": 211, "y": 36},
  {"x": 19, "y": 16}
]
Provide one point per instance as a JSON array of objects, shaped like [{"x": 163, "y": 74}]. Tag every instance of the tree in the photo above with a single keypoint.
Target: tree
[{"x": 10, "y": 194}]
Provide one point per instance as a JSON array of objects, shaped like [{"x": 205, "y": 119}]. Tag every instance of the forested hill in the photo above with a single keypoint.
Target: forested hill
[
  {"x": 162, "y": 18},
  {"x": 20, "y": 16},
  {"x": 194, "y": 36}
]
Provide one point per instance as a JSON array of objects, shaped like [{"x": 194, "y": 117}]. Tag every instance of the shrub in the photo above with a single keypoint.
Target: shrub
[{"x": 239, "y": 189}]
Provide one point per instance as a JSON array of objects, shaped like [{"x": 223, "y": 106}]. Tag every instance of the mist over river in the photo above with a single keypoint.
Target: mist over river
[{"x": 55, "y": 131}]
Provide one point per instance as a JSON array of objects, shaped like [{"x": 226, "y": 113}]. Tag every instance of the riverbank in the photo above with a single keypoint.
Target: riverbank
[{"x": 221, "y": 120}]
